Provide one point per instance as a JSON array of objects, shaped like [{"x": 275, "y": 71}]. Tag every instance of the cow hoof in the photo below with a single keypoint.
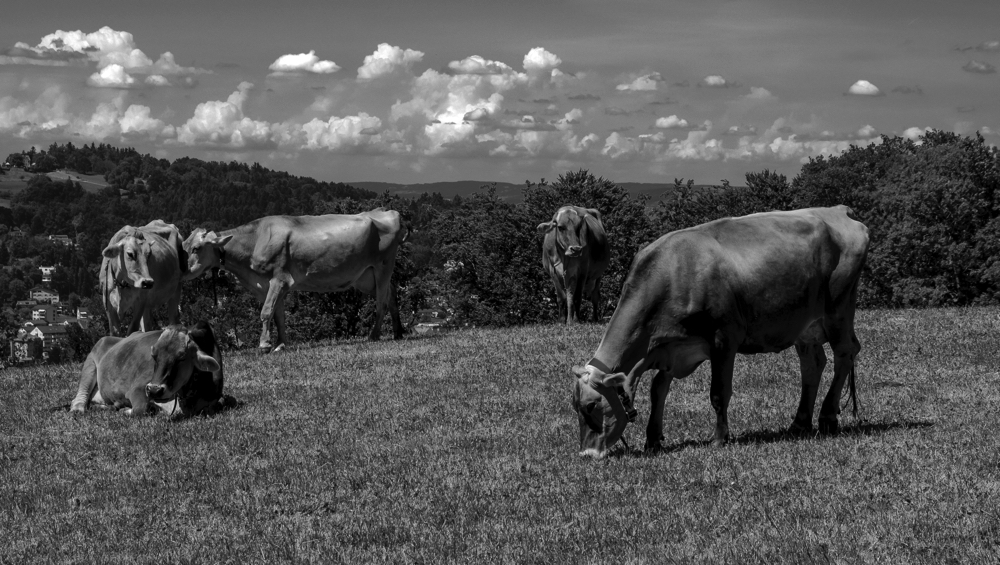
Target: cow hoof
[
  {"x": 720, "y": 442},
  {"x": 799, "y": 430},
  {"x": 280, "y": 348},
  {"x": 829, "y": 426},
  {"x": 653, "y": 448}
]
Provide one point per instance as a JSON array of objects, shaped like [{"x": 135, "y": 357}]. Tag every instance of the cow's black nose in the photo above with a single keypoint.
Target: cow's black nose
[
  {"x": 147, "y": 283},
  {"x": 154, "y": 391}
]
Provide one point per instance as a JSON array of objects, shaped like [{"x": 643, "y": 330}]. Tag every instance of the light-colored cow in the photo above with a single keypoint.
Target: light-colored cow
[
  {"x": 275, "y": 255},
  {"x": 142, "y": 269},
  {"x": 575, "y": 253},
  {"x": 754, "y": 284},
  {"x": 172, "y": 369}
]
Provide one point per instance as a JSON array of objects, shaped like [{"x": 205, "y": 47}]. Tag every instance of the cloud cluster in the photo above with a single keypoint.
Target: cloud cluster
[
  {"x": 643, "y": 83},
  {"x": 114, "y": 53},
  {"x": 979, "y": 67}
]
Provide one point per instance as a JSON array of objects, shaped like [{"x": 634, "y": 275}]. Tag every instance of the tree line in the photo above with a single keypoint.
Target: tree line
[{"x": 931, "y": 207}]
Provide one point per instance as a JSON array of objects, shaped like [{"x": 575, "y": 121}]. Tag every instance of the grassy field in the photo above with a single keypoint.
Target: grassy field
[
  {"x": 462, "y": 447},
  {"x": 17, "y": 179}
]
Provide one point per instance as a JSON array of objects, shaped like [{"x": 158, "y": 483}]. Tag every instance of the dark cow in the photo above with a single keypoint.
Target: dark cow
[
  {"x": 575, "y": 253},
  {"x": 169, "y": 369},
  {"x": 142, "y": 269},
  {"x": 754, "y": 284},
  {"x": 274, "y": 255}
]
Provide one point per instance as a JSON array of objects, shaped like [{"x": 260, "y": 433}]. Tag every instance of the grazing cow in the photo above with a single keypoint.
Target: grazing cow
[
  {"x": 575, "y": 253},
  {"x": 142, "y": 269},
  {"x": 274, "y": 255},
  {"x": 755, "y": 284},
  {"x": 148, "y": 371}
]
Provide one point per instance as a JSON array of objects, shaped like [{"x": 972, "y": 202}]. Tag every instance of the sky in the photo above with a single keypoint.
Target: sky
[{"x": 414, "y": 92}]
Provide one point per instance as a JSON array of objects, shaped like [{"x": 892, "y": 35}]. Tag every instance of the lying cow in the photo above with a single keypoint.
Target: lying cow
[
  {"x": 146, "y": 372},
  {"x": 141, "y": 270},
  {"x": 275, "y": 255},
  {"x": 575, "y": 253},
  {"x": 755, "y": 284}
]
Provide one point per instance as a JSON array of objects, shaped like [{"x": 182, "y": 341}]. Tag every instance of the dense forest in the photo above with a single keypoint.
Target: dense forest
[{"x": 931, "y": 206}]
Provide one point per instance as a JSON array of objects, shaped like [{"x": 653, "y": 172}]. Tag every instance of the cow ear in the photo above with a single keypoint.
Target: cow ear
[
  {"x": 222, "y": 241},
  {"x": 112, "y": 250},
  {"x": 594, "y": 212},
  {"x": 580, "y": 371},
  {"x": 205, "y": 362},
  {"x": 545, "y": 227},
  {"x": 617, "y": 379}
]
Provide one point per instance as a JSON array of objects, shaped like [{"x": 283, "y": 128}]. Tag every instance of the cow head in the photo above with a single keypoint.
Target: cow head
[
  {"x": 132, "y": 250},
  {"x": 175, "y": 358},
  {"x": 601, "y": 414},
  {"x": 205, "y": 250},
  {"x": 570, "y": 224}
]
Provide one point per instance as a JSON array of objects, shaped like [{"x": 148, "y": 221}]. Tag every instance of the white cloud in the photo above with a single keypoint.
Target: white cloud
[
  {"x": 643, "y": 83},
  {"x": 864, "y": 88},
  {"x": 386, "y": 59},
  {"x": 759, "y": 93},
  {"x": 222, "y": 123},
  {"x": 136, "y": 120},
  {"x": 979, "y": 67},
  {"x": 867, "y": 131},
  {"x": 338, "y": 134},
  {"x": 476, "y": 65},
  {"x": 914, "y": 133},
  {"x": 538, "y": 59},
  {"x": 157, "y": 80},
  {"x": 303, "y": 63},
  {"x": 111, "y": 76},
  {"x": 106, "y": 47},
  {"x": 715, "y": 80},
  {"x": 671, "y": 121}
]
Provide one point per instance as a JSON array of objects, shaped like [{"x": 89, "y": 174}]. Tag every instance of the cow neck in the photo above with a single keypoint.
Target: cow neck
[{"x": 233, "y": 257}]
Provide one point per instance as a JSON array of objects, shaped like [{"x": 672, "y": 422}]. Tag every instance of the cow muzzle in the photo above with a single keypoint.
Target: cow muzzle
[
  {"x": 156, "y": 392},
  {"x": 144, "y": 283},
  {"x": 574, "y": 250}
]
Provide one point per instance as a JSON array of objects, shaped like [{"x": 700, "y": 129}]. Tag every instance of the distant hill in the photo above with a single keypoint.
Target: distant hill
[{"x": 507, "y": 191}]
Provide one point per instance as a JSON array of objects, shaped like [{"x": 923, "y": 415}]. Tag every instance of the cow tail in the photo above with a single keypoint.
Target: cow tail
[{"x": 853, "y": 391}]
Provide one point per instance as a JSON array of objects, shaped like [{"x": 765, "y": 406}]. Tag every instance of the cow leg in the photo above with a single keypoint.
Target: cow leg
[
  {"x": 174, "y": 308},
  {"x": 723, "y": 360},
  {"x": 595, "y": 301},
  {"x": 845, "y": 348},
  {"x": 279, "y": 322},
  {"x": 146, "y": 320},
  {"x": 88, "y": 385},
  {"x": 397, "y": 324},
  {"x": 114, "y": 322},
  {"x": 141, "y": 405},
  {"x": 812, "y": 360},
  {"x": 382, "y": 287},
  {"x": 571, "y": 306},
  {"x": 658, "y": 390},
  {"x": 275, "y": 293}
]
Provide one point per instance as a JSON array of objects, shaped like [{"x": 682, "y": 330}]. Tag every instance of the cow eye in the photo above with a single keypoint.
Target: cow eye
[{"x": 131, "y": 255}]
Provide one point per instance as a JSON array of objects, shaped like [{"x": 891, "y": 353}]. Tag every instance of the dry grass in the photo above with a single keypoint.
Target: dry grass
[{"x": 461, "y": 447}]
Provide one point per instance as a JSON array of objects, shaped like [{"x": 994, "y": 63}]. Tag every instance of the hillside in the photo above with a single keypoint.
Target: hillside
[{"x": 461, "y": 447}]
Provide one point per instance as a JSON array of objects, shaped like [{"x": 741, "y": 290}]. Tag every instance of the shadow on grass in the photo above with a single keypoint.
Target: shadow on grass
[
  {"x": 224, "y": 404},
  {"x": 774, "y": 436}
]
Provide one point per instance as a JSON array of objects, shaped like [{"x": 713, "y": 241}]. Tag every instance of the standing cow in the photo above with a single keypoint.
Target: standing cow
[
  {"x": 142, "y": 269},
  {"x": 754, "y": 284},
  {"x": 575, "y": 253},
  {"x": 275, "y": 255}
]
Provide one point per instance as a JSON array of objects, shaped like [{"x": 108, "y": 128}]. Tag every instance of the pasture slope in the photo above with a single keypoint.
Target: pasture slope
[{"x": 461, "y": 448}]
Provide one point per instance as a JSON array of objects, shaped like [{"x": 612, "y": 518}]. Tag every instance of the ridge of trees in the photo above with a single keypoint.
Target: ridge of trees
[{"x": 931, "y": 206}]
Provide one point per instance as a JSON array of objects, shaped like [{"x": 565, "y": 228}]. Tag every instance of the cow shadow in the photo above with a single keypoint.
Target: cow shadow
[
  {"x": 761, "y": 437},
  {"x": 227, "y": 403}
]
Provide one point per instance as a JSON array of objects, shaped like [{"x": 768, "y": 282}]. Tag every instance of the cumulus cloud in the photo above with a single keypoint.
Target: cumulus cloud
[
  {"x": 914, "y": 133},
  {"x": 303, "y": 63},
  {"x": 223, "y": 123},
  {"x": 715, "y": 81},
  {"x": 742, "y": 130},
  {"x": 111, "y": 76},
  {"x": 386, "y": 59},
  {"x": 339, "y": 134},
  {"x": 157, "y": 80},
  {"x": 671, "y": 122},
  {"x": 864, "y": 88},
  {"x": 759, "y": 93},
  {"x": 643, "y": 83},
  {"x": 867, "y": 131},
  {"x": 979, "y": 67},
  {"x": 538, "y": 59},
  {"x": 476, "y": 65},
  {"x": 136, "y": 120}
]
